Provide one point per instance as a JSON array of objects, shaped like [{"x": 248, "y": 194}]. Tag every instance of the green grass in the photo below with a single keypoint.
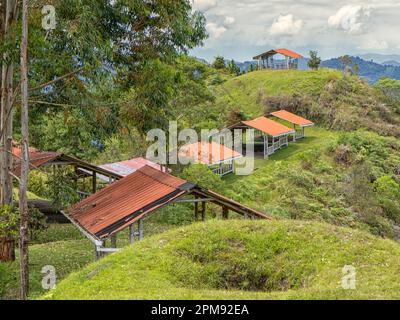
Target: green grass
[
  {"x": 243, "y": 260},
  {"x": 316, "y": 140},
  {"x": 245, "y": 92}
]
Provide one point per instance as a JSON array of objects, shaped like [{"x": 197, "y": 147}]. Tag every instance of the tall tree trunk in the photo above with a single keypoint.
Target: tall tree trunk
[
  {"x": 23, "y": 199},
  {"x": 9, "y": 11}
]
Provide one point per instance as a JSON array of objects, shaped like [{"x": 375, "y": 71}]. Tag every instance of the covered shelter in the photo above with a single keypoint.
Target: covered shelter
[
  {"x": 83, "y": 169},
  {"x": 274, "y": 135},
  {"x": 135, "y": 197},
  {"x": 266, "y": 60},
  {"x": 219, "y": 158},
  {"x": 299, "y": 123}
]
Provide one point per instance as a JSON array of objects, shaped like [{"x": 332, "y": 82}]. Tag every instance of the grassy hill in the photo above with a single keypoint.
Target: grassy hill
[
  {"x": 242, "y": 260},
  {"x": 325, "y": 96}
]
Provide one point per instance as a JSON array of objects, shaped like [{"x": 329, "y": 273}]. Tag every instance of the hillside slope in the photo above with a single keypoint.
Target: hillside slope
[
  {"x": 324, "y": 96},
  {"x": 243, "y": 260}
]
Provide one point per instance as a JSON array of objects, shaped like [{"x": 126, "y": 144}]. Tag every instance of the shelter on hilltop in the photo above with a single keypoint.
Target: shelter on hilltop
[{"x": 266, "y": 59}]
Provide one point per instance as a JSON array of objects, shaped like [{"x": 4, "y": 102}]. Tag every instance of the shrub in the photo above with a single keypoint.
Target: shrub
[
  {"x": 201, "y": 175},
  {"x": 9, "y": 221}
]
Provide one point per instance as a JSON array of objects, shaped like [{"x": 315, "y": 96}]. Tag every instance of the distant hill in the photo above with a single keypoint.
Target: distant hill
[
  {"x": 370, "y": 70},
  {"x": 380, "y": 58},
  {"x": 391, "y": 63}
]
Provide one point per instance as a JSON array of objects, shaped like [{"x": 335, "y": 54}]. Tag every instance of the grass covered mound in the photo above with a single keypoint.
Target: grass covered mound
[{"x": 239, "y": 259}]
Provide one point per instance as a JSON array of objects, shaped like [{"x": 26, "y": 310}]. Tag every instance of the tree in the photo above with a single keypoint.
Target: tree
[
  {"x": 23, "y": 198},
  {"x": 314, "y": 61},
  {"x": 346, "y": 64},
  {"x": 8, "y": 18},
  {"x": 219, "y": 63},
  {"x": 356, "y": 68},
  {"x": 234, "y": 68},
  {"x": 251, "y": 68}
]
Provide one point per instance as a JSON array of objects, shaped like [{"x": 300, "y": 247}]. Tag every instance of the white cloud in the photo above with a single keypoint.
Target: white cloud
[
  {"x": 229, "y": 21},
  {"x": 374, "y": 45},
  {"x": 286, "y": 25},
  {"x": 204, "y": 5},
  {"x": 215, "y": 30},
  {"x": 351, "y": 18}
]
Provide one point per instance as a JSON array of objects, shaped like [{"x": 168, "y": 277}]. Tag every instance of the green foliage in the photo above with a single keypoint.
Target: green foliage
[
  {"x": 242, "y": 259},
  {"x": 234, "y": 68},
  {"x": 314, "y": 61},
  {"x": 219, "y": 63},
  {"x": 200, "y": 174},
  {"x": 9, "y": 221},
  {"x": 62, "y": 188}
]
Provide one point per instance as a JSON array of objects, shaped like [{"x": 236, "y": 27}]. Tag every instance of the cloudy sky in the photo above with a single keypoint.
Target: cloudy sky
[{"x": 240, "y": 29}]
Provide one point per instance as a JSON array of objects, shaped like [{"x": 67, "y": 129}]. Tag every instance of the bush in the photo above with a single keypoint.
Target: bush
[
  {"x": 9, "y": 222},
  {"x": 202, "y": 176}
]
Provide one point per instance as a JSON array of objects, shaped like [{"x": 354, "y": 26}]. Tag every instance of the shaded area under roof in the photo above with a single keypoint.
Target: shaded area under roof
[
  {"x": 267, "y": 126},
  {"x": 292, "y": 118},
  {"x": 136, "y": 196},
  {"x": 283, "y": 51}
]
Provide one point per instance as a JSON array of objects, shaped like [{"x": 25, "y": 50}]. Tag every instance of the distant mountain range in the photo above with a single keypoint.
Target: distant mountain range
[
  {"x": 380, "y": 58},
  {"x": 371, "y": 66},
  {"x": 367, "y": 69}
]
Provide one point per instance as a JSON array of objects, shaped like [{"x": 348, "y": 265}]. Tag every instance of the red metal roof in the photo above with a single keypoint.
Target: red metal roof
[
  {"x": 268, "y": 126},
  {"x": 292, "y": 118},
  {"x": 38, "y": 159},
  {"x": 125, "y": 201},
  {"x": 208, "y": 153},
  {"x": 134, "y": 197}
]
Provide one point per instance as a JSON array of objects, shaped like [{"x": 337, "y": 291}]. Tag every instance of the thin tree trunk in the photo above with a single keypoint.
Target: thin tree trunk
[
  {"x": 23, "y": 199},
  {"x": 9, "y": 10}
]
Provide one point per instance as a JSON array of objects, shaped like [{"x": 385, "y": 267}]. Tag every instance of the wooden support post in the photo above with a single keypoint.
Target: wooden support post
[
  {"x": 196, "y": 210},
  {"x": 132, "y": 234},
  {"x": 114, "y": 241},
  {"x": 203, "y": 211},
  {"x": 246, "y": 216},
  {"x": 225, "y": 213},
  {"x": 94, "y": 182},
  {"x": 96, "y": 253},
  {"x": 140, "y": 229}
]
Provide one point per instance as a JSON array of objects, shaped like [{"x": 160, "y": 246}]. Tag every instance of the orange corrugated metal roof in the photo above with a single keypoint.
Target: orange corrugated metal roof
[
  {"x": 289, "y": 53},
  {"x": 292, "y": 118},
  {"x": 123, "y": 202},
  {"x": 283, "y": 51},
  {"x": 208, "y": 153},
  {"x": 268, "y": 126}
]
